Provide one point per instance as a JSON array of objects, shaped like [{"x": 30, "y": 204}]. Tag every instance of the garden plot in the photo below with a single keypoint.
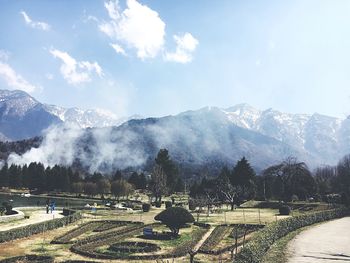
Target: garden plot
[
  {"x": 223, "y": 238},
  {"x": 129, "y": 244}
]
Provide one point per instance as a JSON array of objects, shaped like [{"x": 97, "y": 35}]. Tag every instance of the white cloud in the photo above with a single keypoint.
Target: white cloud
[
  {"x": 185, "y": 46},
  {"x": 76, "y": 72},
  {"x": 137, "y": 27},
  {"x": 113, "y": 9},
  {"x": 35, "y": 24},
  {"x": 118, "y": 49},
  {"x": 13, "y": 79}
]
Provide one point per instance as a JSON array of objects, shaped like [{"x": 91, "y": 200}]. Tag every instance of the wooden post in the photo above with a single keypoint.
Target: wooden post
[
  {"x": 236, "y": 240},
  {"x": 259, "y": 217},
  {"x": 243, "y": 215},
  {"x": 245, "y": 233},
  {"x": 192, "y": 254}
]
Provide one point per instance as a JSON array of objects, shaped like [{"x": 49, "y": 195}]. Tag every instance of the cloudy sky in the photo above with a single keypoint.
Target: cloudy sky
[{"x": 156, "y": 57}]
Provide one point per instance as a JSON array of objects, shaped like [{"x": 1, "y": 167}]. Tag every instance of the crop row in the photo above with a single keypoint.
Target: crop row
[
  {"x": 28, "y": 258},
  {"x": 222, "y": 231},
  {"x": 87, "y": 246},
  {"x": 214, "y": 239},
  {"x": 134, "y": 247},
  {"x": 107, "y": 225},
  {"x": 68, "y": 236}
]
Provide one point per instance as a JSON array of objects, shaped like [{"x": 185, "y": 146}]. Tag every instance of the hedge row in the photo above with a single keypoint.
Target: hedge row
[
  {"x": 107, "y": 225},
  {"x": 29, "y": 230},
  {"x": 29, "y": 258},
  {"x": 67, "y": 237},
  {"x": 134, "y": 247},
  {"x": 200, "y": 224},
  {"x": 255, "y": 250}
]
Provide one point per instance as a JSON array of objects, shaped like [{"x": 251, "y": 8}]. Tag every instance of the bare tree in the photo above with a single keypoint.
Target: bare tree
[{"x": 158, "y": 183}]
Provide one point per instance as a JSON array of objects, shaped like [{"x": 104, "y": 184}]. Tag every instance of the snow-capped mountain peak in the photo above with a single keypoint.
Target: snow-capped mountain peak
[{"x": 22, "y": 116}]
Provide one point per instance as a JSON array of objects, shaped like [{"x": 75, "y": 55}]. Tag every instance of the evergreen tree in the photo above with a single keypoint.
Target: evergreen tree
[
  {"x": 168, "y": 167},
  {"x": 243, "y": 174},
  {"x": 142, "y": 181},
  {"x": 4, "y": 176},
  {"x": 117, "y": 176},
  {"x": 15, "y": 176},
  {"x": 134, "y": 179}
]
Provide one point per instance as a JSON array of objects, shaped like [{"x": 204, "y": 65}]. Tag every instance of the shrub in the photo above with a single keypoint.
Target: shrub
[
  {"x": 168, "y": 204},
  {"x": 284, "y": 210},
  {"x": 200, "y": 224},
  {"x": 174, "y": 218},
  {"x": 146, "y": 207},
  {"x": 191, "y": 205},
  {"x": 255, "y": 250},
  {"x": 8, "y": 208}
]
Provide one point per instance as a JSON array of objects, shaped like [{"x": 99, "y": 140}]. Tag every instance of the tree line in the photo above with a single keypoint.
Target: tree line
[
  {"x": 287, "y": 181},
  {"x": 64, "y": 179}
]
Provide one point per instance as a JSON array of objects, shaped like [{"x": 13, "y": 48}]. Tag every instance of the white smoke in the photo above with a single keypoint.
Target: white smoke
[
  {"x": 57, "y": 147},
  {"x": 64, "y": 144}
]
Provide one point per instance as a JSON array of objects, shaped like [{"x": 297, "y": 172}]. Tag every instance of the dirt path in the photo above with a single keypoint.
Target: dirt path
[
  {"x": 203, "y": 239},
  {"x": 36, "y": 216},
  {"x": 327, "y": 242}
]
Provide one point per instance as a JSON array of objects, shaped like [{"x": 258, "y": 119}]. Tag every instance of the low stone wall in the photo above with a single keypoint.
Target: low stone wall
[{"x": 9, "y": 218}]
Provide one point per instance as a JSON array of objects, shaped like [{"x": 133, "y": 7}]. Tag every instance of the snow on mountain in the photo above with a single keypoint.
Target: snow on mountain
[
  {"x": 23, "y": 117},
  {"x": 84, "y": 118},
  {"x": 326, "y": 137},
  {"x": 194, "y": 136}
]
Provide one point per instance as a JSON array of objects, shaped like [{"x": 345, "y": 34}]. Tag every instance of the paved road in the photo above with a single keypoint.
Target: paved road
[
  {"x": 327, "y": 242},
  {"x": 37, "y": 216}
]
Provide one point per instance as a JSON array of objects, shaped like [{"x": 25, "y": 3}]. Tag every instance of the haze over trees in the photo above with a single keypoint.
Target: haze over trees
[{"x": 286, "y": 181}]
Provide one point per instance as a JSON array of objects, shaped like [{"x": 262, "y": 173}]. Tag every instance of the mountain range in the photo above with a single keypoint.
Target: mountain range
[
  {"x": 23, "y": 117},
  {"x": 209, "y": 136}
]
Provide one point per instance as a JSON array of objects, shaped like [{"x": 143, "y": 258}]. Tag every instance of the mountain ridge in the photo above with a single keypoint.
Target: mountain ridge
[
  {"x": 209, "y": 134},
  {"x": 16, "y": 105}
]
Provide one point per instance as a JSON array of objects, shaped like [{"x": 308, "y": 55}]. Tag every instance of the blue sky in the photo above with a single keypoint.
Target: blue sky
[{"x": 158, "y": 57}]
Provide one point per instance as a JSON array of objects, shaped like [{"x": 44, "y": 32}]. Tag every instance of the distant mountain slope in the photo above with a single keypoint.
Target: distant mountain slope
[
  {"x": 327, "y": 138},
  {"x": 208, "y": 136},
  {"x": 196, "y": 138},
  {"x": 23, "y": 117}
]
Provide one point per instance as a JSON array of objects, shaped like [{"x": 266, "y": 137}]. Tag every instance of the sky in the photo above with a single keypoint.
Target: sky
[{"x": 156, "y": 57}]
